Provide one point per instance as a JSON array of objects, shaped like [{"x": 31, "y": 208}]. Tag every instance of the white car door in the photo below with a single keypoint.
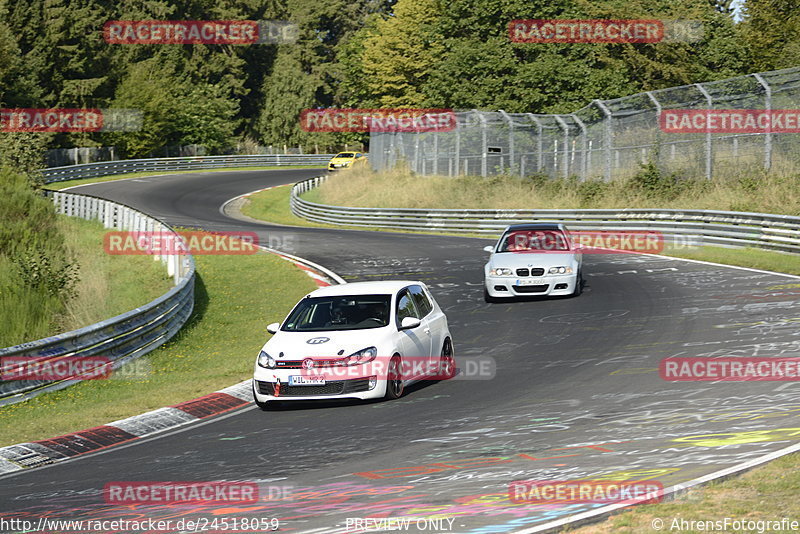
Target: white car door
[
  {"x": 435, "y": 321},
  {"x": 416, "y": 342}
]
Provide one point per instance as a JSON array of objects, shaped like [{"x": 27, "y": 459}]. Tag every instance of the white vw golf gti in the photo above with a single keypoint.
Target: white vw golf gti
[
  {"x": 533, "y": 259},
  {"x": 362, "y": 340}
]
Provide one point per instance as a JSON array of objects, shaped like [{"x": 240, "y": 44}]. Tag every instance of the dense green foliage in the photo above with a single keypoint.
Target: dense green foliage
[
  {"x": 357, "y": 53},
  {"x": 36, "y": 272}
]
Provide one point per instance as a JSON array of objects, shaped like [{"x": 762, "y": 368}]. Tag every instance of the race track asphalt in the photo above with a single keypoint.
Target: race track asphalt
[{"x": 575, "y": 394}]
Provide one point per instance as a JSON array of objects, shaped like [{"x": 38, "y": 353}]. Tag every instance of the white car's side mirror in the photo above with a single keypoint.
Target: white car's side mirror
[
  {"x": 409, "y": 322},
  {"x": 273, "y": 327},
  {"x": 489, "y": 249}
]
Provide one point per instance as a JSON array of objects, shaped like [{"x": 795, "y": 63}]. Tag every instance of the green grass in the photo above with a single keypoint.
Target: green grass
[
  {"x": 114, "y": 177},
  {"x": 648, "y": 189},
  {"x": 272, "y": 206},
  {"x": 767, "y": 493},
  {"x": 105, "y": 286},
  {"x": 754, "y": 258},
  {"x": 235, "y": 298},
  {"x": 108, "y": 284}
]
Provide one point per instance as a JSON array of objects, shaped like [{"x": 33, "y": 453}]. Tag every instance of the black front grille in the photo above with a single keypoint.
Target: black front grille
[
  {"x": 541, "y": 288},
  {"x": 335, "y": 387},
  {"x": 265, "y": 388},
  {"x": 356, "y": 386},
  {"x": 524, "y": 271}
]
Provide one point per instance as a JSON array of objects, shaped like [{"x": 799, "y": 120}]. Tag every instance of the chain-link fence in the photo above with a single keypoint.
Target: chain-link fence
[{"x": 610, "y": 138}]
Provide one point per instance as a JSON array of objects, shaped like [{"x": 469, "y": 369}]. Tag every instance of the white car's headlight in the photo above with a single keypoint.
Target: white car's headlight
[
  {"x": 265, "y": 360},
  {"x": 362, "y": 356},
  {"x": 501, "y": 271},
  {"x": 560, "y": 270}
]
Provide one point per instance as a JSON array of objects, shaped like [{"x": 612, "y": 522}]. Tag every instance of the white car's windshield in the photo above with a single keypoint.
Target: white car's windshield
[
  {"x": 346, "y": 312},
  {"x": 534, "y": 241}
]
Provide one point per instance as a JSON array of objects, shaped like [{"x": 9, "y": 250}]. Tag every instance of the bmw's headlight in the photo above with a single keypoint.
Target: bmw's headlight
[
  {"x": 265, "y": 360},
  {"x": 362, "y": 356},
  {"x": 501, "y": 271},
  {"x": 560, "y": 270}
]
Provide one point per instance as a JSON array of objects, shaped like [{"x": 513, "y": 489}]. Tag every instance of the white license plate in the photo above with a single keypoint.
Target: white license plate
[
  {"x": 531, "y": 282},
  {"x": 306, "y": 381}
]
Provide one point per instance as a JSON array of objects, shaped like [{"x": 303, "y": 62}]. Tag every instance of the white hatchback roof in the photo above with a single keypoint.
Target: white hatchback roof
[{"x": 380, "y": 287}]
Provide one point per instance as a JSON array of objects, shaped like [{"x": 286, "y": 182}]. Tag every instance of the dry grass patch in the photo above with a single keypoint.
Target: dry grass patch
[{"x": 648, "y": 189}]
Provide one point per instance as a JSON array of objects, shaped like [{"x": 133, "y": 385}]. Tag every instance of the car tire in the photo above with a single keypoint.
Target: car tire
[
  {"x": 394, "y": 379},
  {"x": 578, "y": 284},
  {"x": 487, "y": 297},
  {"x": 447, "y": 362},
  {"x": 264, "y": 406}
]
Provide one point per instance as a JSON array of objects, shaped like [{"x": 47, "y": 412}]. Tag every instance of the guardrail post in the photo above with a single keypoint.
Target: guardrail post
[
  {"x": 768, "y": 134},
  {"x": 709, "y": 155}
]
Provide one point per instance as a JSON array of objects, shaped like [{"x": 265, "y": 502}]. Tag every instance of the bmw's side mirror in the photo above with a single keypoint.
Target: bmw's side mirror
[
  {"x": 489, "y": 249},
  {"x": 409, "y": 322},
  {"x": 273, "y": 327}
]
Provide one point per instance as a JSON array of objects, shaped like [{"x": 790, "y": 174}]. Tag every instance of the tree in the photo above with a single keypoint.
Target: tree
[
  {"x": 399, "y": 56},
  {"x": 771, "y": 30}
]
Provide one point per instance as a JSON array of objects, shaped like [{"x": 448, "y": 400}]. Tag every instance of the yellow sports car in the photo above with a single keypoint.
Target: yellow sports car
[{"x": 345, "y": 160}]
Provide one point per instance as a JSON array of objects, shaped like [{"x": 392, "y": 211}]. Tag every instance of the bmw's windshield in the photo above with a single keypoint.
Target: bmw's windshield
[
  {"x": 534, "y": 241},
  {"x": 349, "y": 312}
]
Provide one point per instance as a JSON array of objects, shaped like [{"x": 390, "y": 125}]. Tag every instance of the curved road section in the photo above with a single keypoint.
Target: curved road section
[{"x": 562, "y": 389}]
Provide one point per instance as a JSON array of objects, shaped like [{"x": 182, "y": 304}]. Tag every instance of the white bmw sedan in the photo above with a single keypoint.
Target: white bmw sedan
[
  {"x": 362, "y": 340},
  {"x": 533, "y": 259}
]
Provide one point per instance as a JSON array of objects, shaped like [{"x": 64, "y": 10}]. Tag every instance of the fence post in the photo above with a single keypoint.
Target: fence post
[
  {"x": 435, "y": 153},
  {"x": 657, "y": 104},
  {"x": 709, "y": 156},
  {"x": 608, "y": 138},
  {"x": 561, "y": 122},
  {"x": 458, "y": 146},
  {"x": 484, "y": 143},
  {"x": 584, "y": 164},
  {"x": 768, "y": 135},
  {"x": 539, "y": 143},
  {"x": 510, "y": 122},
  {"x": 416, "y": 152}
]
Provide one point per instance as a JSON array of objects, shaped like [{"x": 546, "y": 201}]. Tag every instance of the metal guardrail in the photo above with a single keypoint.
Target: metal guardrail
[
  {"x": 106, "y": 168},
  {"x": 704, "y": 227},
  {"x": 121, "y": 338}
]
